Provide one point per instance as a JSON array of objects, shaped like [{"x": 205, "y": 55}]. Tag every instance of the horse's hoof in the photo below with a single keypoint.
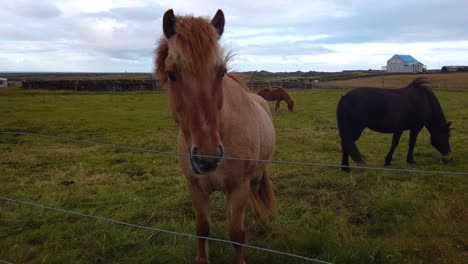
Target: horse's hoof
[
  {"x": 201, "y": 261},
  {"x": 446, "y": 159},
  {"x": 346, "y": 169}
]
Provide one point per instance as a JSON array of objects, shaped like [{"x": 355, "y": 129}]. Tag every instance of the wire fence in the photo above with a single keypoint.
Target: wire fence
[
  {"x": 302, "y": 163},
  {"x": 160, "y": 230},
  {"x": 141, "y": 150}
]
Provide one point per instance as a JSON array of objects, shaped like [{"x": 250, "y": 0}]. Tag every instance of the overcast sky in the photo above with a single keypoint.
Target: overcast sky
[{"x": 273, "y": 35}]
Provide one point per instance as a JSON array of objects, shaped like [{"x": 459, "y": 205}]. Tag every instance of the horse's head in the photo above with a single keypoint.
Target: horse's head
[
  {"x": 291, "y": 106},
  {"x": 440, "y": 138},
  {"x": 192, "y": 65}
]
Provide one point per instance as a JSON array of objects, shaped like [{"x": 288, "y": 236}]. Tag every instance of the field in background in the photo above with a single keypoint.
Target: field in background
[
  {"x": 334, "y": 80},
  {"x": 441, "y": 81},
  {"x": 362, "y": 217}
]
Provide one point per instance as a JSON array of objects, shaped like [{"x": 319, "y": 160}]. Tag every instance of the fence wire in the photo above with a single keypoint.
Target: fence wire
[
  {"x": 162, "y": 230},
  {"x": 141, "y": 150}
]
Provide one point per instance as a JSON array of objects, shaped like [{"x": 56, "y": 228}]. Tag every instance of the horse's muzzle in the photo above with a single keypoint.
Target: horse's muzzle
[{"x": 202, "y": 163}]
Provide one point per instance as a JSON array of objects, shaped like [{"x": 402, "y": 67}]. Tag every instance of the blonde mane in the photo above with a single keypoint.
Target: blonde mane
[{"x": 194, "y": 47}]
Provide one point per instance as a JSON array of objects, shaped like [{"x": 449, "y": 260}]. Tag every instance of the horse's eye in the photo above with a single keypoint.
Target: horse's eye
[
  {"x": 223, "y": 73},
  {"x": 172, "y": 76}
]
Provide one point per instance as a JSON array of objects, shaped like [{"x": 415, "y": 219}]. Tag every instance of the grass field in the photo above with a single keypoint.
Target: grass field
[
  {"x": 361, "y": 217},
  {"x": 456, "y": 81}
]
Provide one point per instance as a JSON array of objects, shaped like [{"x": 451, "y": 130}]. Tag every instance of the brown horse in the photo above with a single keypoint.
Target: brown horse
[
  {"x": 217, "y": 116},
  {"x": 277, "y": 94}
]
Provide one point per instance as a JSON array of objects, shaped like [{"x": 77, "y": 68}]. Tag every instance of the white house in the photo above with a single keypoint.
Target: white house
[
  {"x": 3, "y": 82},
  {"x": 404, "y": 63}
]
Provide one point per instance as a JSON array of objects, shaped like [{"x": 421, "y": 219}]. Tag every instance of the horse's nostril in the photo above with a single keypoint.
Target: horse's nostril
[
  {"x": 204, "y": 163},
  {"x": 220, "y": 151},
  {"x": 194, "y": 152}
]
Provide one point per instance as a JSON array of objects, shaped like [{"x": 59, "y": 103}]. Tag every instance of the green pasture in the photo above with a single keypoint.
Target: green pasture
[
  {"x": 456, "y": 81},
  {"x": 361, "y": 217}
]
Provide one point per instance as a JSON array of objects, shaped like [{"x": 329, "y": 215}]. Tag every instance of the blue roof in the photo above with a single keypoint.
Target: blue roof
[{"x": 409, "y": 59}]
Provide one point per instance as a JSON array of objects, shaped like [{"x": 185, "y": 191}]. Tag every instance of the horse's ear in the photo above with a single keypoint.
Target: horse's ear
[
  {"x": 218, "y": 22},
  {"x": 169, "y": 23}
]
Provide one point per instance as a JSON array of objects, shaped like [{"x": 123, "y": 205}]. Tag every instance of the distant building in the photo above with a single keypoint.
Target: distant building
[
  {"x": 3, "y": 82},
  {"x": 404, "y": 63}
]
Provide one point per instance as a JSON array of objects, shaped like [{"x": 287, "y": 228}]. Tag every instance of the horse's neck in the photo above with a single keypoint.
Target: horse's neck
[
  {"x": 437, "y": 117},
  {"x": 238, "y": 116},
  {"x": 235, "y": 99},
  {"x": 285, "y": 96}
]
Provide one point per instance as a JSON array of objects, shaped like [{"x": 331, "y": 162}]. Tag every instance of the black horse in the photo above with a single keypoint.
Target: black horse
[{"x": 391, "y": 111}]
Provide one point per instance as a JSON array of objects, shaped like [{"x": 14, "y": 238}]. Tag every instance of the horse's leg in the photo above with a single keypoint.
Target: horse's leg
[
  {"x": 354, "y": 151},
  {"x": 349, "y": 148},
  {"x": 237, "y": 200},
  {"x": 345, "y": 158},
  {"x": 277, "y": 105},
  {"x": 412, "y": 142},
  {"x": 395, "y": 141},
  {"x": 228, "y": 211},
  {"x": 200, "y": 205}
]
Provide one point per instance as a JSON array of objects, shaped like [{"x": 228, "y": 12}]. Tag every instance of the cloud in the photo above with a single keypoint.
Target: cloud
[
  {"x": 395, "y": 22},
  {"x": 40, "y": 9},
  {"x": 274, "y": 35},
  {"x": 133, "y": 13},
  {"x": 285, "y": 48},
  {"x": 349, "y": 56}
]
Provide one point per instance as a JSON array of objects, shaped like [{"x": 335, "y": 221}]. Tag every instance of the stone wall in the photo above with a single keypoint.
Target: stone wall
[
  {"x": 93, "y": 85},
  {"x": 293, "y": 84},
  {"x": 138, "y": 85}
]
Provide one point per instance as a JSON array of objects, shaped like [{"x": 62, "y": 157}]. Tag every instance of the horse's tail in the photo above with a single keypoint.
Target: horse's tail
[
  {"x": 263, "y": 198},
  {"x": 345, "y": 130}
]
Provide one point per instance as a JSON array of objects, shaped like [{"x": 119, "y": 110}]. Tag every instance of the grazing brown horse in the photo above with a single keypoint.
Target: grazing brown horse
[
  {"x": 277, "y": 94},
  {"x": 217, "y": 116}
]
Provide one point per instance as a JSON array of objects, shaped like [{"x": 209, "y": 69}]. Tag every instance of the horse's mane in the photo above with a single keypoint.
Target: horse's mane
[
  {"x": 237, "y": 78},
  {"x": 194, "y": 47},
  {"x": 287, "y": 98},
  {"x": 424, "y": 85},
  {"x": 162, "y": 51},
  {"x": 421, "y": 83}
]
